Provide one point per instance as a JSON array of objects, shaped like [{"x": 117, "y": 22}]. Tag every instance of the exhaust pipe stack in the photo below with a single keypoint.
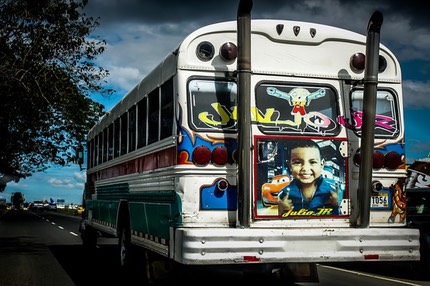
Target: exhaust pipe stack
[
  {"x": 244, "y": 111},
  {"x": 369, "y": 111}
]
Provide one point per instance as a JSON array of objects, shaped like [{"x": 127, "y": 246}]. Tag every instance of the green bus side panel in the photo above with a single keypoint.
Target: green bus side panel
[
  {"x": 105, "y": 208},
  {"x": 152, "y": 213},
  {"x": 105, "y": 211}
]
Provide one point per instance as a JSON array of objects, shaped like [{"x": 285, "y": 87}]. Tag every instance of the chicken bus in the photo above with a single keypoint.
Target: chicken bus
[{"x": 258, "y": 144}]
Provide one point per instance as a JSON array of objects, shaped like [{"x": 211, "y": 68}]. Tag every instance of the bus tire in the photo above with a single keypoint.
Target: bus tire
[
  {"x": 88, "y": 236},
  {"x": 125, "y": 249}
]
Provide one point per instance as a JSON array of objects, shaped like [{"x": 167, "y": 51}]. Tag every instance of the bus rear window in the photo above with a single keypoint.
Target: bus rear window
[
  {"x": 295, "y": 109},
  {"x": 386, "y": 118},
  {"x": 212, "y": 105}
]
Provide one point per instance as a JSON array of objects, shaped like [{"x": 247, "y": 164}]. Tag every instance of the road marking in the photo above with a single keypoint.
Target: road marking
[
  {"x": 72, "y": 233},
  {"x": 371, "y": 275}
]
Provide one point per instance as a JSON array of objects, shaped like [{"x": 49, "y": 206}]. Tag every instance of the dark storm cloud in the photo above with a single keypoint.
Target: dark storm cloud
[{"x": 151, "y": 12}]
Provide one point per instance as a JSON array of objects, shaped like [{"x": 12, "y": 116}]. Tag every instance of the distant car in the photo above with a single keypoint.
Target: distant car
[
  {"x": 37, "y": 206},
  {"x": 79, "y": 210},
  {"x": 51, "y": 207}
]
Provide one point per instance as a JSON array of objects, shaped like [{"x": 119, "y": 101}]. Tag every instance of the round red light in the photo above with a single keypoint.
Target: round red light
[
  {"x": 228, "y": 51},
  {"x": 357, "y": 62},
  {"x": 201, "y": 155},
  {"x": 392, "y": 160},
  {"x": 220, "y": 155},
  {"x": 378, "y": 160},
  {"x": 222, "y": 185},
  {"x": 357, "y": 159}
]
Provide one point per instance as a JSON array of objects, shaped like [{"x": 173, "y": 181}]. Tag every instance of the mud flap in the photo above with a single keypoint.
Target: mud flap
[{"x": 299, "y": 272}]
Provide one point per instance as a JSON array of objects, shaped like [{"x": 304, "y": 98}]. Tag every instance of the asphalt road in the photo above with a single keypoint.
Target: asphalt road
[{"x": 45, "y": 248}]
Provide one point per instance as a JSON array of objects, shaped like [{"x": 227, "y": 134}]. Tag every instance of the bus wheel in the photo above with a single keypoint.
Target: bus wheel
[
  {"x": 88, "y": 236},
  {"x": 125, "y": 252}
]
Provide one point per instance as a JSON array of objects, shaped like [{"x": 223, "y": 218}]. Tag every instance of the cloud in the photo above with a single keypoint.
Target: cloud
[
  {"x": 416, "y": 94},
  {"x": 80, "y": 177},
  {"x": 78, "y": 181}
]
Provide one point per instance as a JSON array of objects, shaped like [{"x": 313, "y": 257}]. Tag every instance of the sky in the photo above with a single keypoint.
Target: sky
[{"x": 140, "y": 33}]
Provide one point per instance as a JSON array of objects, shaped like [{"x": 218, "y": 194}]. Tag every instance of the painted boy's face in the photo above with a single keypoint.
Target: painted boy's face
[{"x": 306, "y": 164}]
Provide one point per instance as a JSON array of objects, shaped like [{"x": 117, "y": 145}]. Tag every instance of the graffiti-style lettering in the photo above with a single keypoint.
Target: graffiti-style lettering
[
  {"x": 381, "y": 121},
  {"x": 224, "y": 114}
]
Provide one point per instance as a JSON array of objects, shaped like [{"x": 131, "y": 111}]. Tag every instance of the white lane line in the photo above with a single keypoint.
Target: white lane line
[
  {"x": 72, "y": 233},
  {"x": 371, "y": 275},
  {"x": 60, "y": 227}
]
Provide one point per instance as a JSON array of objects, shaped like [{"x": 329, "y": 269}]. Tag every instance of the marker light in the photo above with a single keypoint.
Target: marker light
[
  {"x": 377, "y": 186},
  {"x": 201, "y": 155},
  {"x": 382, "y": 64},
  {"x": 358, "y": 62},
  {"x": 222, "y": 185},
  {"x": 228, "y": 52},
  {"x": 205, "y": 51},
  {"x": 220, "y": 155}
]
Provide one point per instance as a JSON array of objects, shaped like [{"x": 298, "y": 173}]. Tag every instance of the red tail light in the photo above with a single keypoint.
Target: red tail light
[
  {"x": 220, "y": 155},
  {"x": 378, "y": 160},
  {"x": 392, "y": 160},
  {"x": 201, "y": 155}
]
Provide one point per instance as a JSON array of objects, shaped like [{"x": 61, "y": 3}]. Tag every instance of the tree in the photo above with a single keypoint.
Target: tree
[{"x": 47, "y": 74}]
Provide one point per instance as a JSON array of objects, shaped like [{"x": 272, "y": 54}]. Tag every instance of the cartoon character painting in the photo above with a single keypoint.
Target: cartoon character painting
[{"x": 270, "y": 191}]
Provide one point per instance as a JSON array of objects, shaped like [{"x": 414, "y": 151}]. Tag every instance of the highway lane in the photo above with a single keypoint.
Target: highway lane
[{"x": 44, "y": 248}]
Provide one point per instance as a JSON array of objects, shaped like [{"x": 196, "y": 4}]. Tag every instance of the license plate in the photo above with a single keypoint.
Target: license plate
[{"x": 380, "y": 201}]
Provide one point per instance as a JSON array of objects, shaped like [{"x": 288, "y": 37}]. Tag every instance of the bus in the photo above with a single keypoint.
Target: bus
[{"x": 192, "y": 166}]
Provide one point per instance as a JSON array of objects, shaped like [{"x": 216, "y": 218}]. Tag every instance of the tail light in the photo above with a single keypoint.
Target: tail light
[
  {"x": 378, "y": 160},
  {"x": 220, "y": 155},
  {"x": 201, "y": 155},
  {"x": 391, "y": 160}
]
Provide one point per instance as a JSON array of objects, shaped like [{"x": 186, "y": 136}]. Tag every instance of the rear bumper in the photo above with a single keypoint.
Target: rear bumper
[{"x": 239, "y": 246}]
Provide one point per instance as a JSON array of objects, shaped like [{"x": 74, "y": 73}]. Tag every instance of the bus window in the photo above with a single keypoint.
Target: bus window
[
  {"x": 386, "y": 119},
  {"x": 132, "y": 129},
  {"x": 141, "y": 123},
  {"x": 116, "y": 138},
  {"x": 124, "y": 124},
  {"x": 213, "y": 105},
  {"x": 154, "y": 116},
  {"x": 99, "y": 147},
  {"x": 166, "y": 109},
  {"x": 295, "y": 109},
  {"x": 110, "y": 142}
]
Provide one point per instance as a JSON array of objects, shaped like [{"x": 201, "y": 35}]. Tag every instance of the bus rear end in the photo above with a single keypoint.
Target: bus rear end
[{"x": 305, "y": 88}]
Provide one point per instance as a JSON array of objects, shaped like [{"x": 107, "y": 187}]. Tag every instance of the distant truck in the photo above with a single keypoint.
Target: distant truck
[{"x": 17, "y": 199}]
